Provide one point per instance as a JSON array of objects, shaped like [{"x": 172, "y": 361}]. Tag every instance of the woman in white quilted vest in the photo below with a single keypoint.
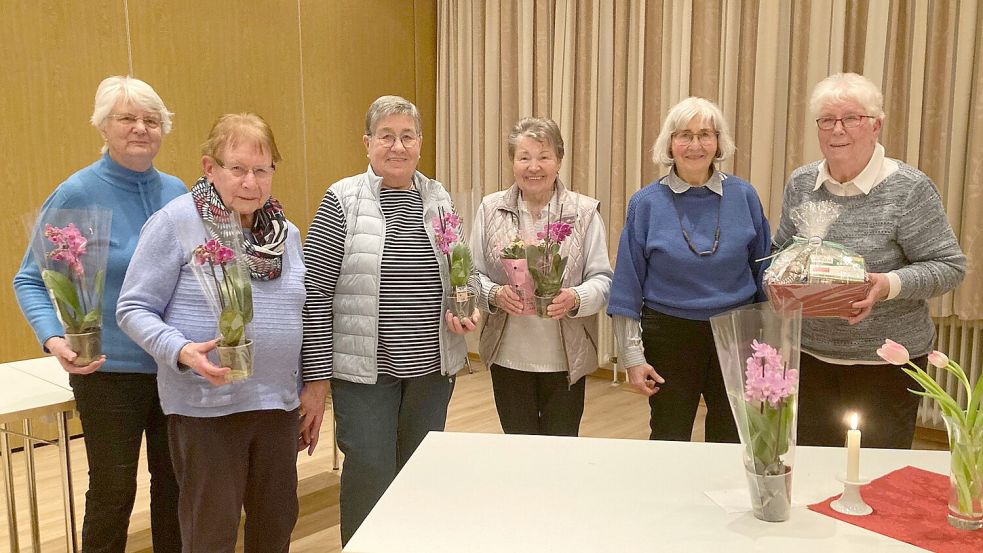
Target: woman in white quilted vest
[
  {"x": 375, "y": 321},
  {"x": 538, "y": 364}
]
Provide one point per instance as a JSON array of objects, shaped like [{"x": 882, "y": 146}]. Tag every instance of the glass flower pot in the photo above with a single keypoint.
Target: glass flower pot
[
  {"x": 462, "y": 302},
  {"x": 965, "y": 476},
  {"x": 542, "y": 303},
  {"x": 239, "y": 360},
  {"x": 87, "y": 345}
]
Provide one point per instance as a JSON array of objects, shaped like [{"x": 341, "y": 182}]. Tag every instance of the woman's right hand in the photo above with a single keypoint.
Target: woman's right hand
[
  {"x": 58, "y": 347},
  {"x": 507, "y": 300},
  {"x": 644, "y": 379},
  {"x": 195, "y": 355}
]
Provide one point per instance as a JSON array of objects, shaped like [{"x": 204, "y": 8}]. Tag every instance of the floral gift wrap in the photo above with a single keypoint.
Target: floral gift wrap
[{"x": 824, "y": 277}]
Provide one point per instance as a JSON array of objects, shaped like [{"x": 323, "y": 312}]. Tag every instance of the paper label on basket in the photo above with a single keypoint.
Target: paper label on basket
[{"x": 517, "y": 271}]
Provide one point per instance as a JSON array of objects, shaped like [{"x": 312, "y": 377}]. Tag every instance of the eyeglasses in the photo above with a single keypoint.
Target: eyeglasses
[
  {"x": 848, "y": 122},
  {"x": 705, "y": 136},
  {"x": 130, "y": 120},
  {"x": 408, "y": 140},
  {"x": 260, "y": 173}
]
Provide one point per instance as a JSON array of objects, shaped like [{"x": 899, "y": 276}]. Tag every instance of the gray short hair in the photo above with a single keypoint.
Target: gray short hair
[
  {"x": 131, "y": 90},
  {"x": 384, "y": 106},
  {"x": 847, "y": 86},
  {"x": 541, "y": 129},
  {"x": 680, "y": 115}
]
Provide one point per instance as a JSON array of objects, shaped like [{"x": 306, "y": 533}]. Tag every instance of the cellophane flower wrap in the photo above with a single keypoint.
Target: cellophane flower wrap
[
  {"x": 223, "y": 274},
  {"x": 823, "y": 276},
  {"x": 71, "y": 247},
  {"x": 963, "y": 416},
  {"x": 449, "y": 235},
  {"x": 513, "y": 256},
  {"x": 546, "y": 265},
  {"x": 759, "y": 350}
]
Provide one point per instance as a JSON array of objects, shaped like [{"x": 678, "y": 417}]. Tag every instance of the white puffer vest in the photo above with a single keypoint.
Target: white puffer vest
[{"x": 356, "y": 299}]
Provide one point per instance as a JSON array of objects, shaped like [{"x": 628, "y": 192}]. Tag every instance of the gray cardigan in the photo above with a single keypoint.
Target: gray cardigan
[
  {"x": 899, "y": 226},
  {"x": 162, "y": 308}
]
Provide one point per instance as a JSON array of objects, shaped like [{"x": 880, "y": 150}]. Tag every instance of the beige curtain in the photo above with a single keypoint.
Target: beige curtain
[{"x": 607, "y": 71}]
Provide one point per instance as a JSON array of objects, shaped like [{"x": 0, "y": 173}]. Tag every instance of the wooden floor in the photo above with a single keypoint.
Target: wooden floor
[{"x": 612, "y": 411}]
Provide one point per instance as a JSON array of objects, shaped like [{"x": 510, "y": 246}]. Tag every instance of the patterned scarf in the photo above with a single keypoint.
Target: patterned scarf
[{"x": 269, "y": 230}]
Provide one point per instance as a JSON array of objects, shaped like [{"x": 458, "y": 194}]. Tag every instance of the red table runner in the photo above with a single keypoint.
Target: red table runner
[{"x": 910, "y": 505}]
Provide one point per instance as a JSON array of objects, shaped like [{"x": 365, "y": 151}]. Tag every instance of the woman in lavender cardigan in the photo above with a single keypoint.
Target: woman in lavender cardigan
[{"x": 234, "y": 445}]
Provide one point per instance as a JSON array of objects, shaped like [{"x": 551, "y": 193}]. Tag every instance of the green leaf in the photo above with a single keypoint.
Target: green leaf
[
  {"x": 66, "y": 298},
  {"x": 232, "y": 325}
]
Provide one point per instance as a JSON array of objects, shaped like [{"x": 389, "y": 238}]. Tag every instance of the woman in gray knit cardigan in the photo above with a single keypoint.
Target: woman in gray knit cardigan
[{"x": 892, "y": 215}]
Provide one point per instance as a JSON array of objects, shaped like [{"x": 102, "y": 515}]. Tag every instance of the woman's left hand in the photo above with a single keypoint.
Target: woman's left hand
[
  {"x": 879, "y": 288},
  {"x": 462, "y": 326},
  {"x": 563, "y": 303}
]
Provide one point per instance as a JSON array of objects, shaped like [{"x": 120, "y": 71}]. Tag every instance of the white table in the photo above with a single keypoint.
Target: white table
[
  {"x": 32, "y": 389},
  {"x": 471, "y": 493}
]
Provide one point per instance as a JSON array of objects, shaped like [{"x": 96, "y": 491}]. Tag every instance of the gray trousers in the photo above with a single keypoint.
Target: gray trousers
[{"x": 227, "y": 464}]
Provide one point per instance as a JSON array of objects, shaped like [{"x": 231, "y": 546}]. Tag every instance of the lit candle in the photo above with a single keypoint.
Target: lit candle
[{"x": 853, "y": 451}]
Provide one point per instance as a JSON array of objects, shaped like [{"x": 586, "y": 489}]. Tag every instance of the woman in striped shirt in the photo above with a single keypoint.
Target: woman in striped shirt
[{"x": 375, "y": 322}]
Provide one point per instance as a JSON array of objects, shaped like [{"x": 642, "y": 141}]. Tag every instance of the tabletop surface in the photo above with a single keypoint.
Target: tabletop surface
[
  {"x": 45, "y": 368},
  {"x": 465, "y": 493},
  {"x": 24, "y": 395}
]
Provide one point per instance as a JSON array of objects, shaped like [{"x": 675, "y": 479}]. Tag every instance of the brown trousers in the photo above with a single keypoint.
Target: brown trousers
[{"x": 230, "y": 463}]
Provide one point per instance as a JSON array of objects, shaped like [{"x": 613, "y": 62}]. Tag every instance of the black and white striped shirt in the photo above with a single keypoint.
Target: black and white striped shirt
[{"x": 410, "y": 288}]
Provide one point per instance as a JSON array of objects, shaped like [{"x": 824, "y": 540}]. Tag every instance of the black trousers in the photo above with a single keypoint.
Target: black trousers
[
  {"x": 879, "y": 394},
  {"x": 537, "y": 403},
  {"x": 683, "y": 352},
  {"x": 243, "y": 461},
  {"x": 117, "y": 409}
]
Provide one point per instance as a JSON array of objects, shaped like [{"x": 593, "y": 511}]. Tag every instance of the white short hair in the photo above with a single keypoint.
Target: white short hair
[
  {"x": 680, "y": 115},
  {"x": 131, "y": 90},
  {"x": 847, "y": 86},
  {"x": 384, "y": 106}
]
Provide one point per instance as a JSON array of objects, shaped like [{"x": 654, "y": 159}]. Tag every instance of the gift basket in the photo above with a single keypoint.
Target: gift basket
[{"x": 822, "y": 277}]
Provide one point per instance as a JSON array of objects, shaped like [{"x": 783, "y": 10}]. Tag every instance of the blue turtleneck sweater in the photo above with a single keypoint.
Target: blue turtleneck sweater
[{"x": 132, "y": 197}]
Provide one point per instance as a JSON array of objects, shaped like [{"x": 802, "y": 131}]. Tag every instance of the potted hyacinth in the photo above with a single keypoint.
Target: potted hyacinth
[
  {"x": 759, "y": 357},
  {"x": 449, "y": 238},
  {"x": 224, "y": 280},
  {"x": 964, "y": 426},
  {"x": 546, "y": 265},
  {"x": 71, "y": 249},
  {"x": 513, "y": 257}
]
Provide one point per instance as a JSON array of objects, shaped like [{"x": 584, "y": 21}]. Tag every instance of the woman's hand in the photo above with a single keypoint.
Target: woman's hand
[
  {"x": 312, "y": 397},
  {"x": 879, "y": 288},
  {"x": 195, "y": 355},
  {"x": 507, "y": 300},
  {"x": 462, "y": 326},
  {"x": 58, "y": 347},
  {"x": 563, "y": 303},
  {"x": 644, "y": 379}
]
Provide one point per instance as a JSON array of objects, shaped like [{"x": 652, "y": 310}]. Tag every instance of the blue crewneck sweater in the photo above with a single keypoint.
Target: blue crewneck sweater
[
  {"x": 132, "y": 197},
  {"x": 656, "y": 267}
]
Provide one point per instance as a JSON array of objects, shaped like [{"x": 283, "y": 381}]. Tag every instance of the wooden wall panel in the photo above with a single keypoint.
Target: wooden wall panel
[
  {"x": 54, "y": 55},
  {"x": 205, "y": 58},
  {"x": 211, "y": 58},
  {"x": 354, "y": 52}
]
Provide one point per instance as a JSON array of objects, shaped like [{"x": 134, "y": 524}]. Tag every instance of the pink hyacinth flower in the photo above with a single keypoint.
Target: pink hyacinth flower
[
  {"x": 893, "y": 352},
  {"x": 938, "y": 359}
]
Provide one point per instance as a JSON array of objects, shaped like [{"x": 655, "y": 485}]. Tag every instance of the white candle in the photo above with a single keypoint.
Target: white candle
[{"x": 853, "y": 451}]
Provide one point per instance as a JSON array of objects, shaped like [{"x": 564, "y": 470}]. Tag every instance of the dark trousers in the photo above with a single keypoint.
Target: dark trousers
[
  {"x": 683, "y": 352},
  {"x": 879, "y": 394},
  {"x": 116, "y": 410},
  {"x": 379, "y": 426},
  {"x": 244, "y": 461},
  {"x": 537, "y": 403}
]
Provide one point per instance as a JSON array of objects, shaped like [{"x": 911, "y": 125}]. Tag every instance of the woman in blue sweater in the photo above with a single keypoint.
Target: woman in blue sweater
[
  {"x": 688, "y": 251},
  {"x": 234, "y": 444},
  {"x": 116, "y": 395}
]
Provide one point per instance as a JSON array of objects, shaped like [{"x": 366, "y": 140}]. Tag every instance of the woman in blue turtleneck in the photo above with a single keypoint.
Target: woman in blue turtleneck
[
  {"x": 688, "y": 252},
  {"x": 116, "y": 395}
]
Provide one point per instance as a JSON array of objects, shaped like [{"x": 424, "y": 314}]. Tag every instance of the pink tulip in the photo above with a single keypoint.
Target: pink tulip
[
  {"x": 893, "y": 352},
  {"x": 938, "y": 359}
]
